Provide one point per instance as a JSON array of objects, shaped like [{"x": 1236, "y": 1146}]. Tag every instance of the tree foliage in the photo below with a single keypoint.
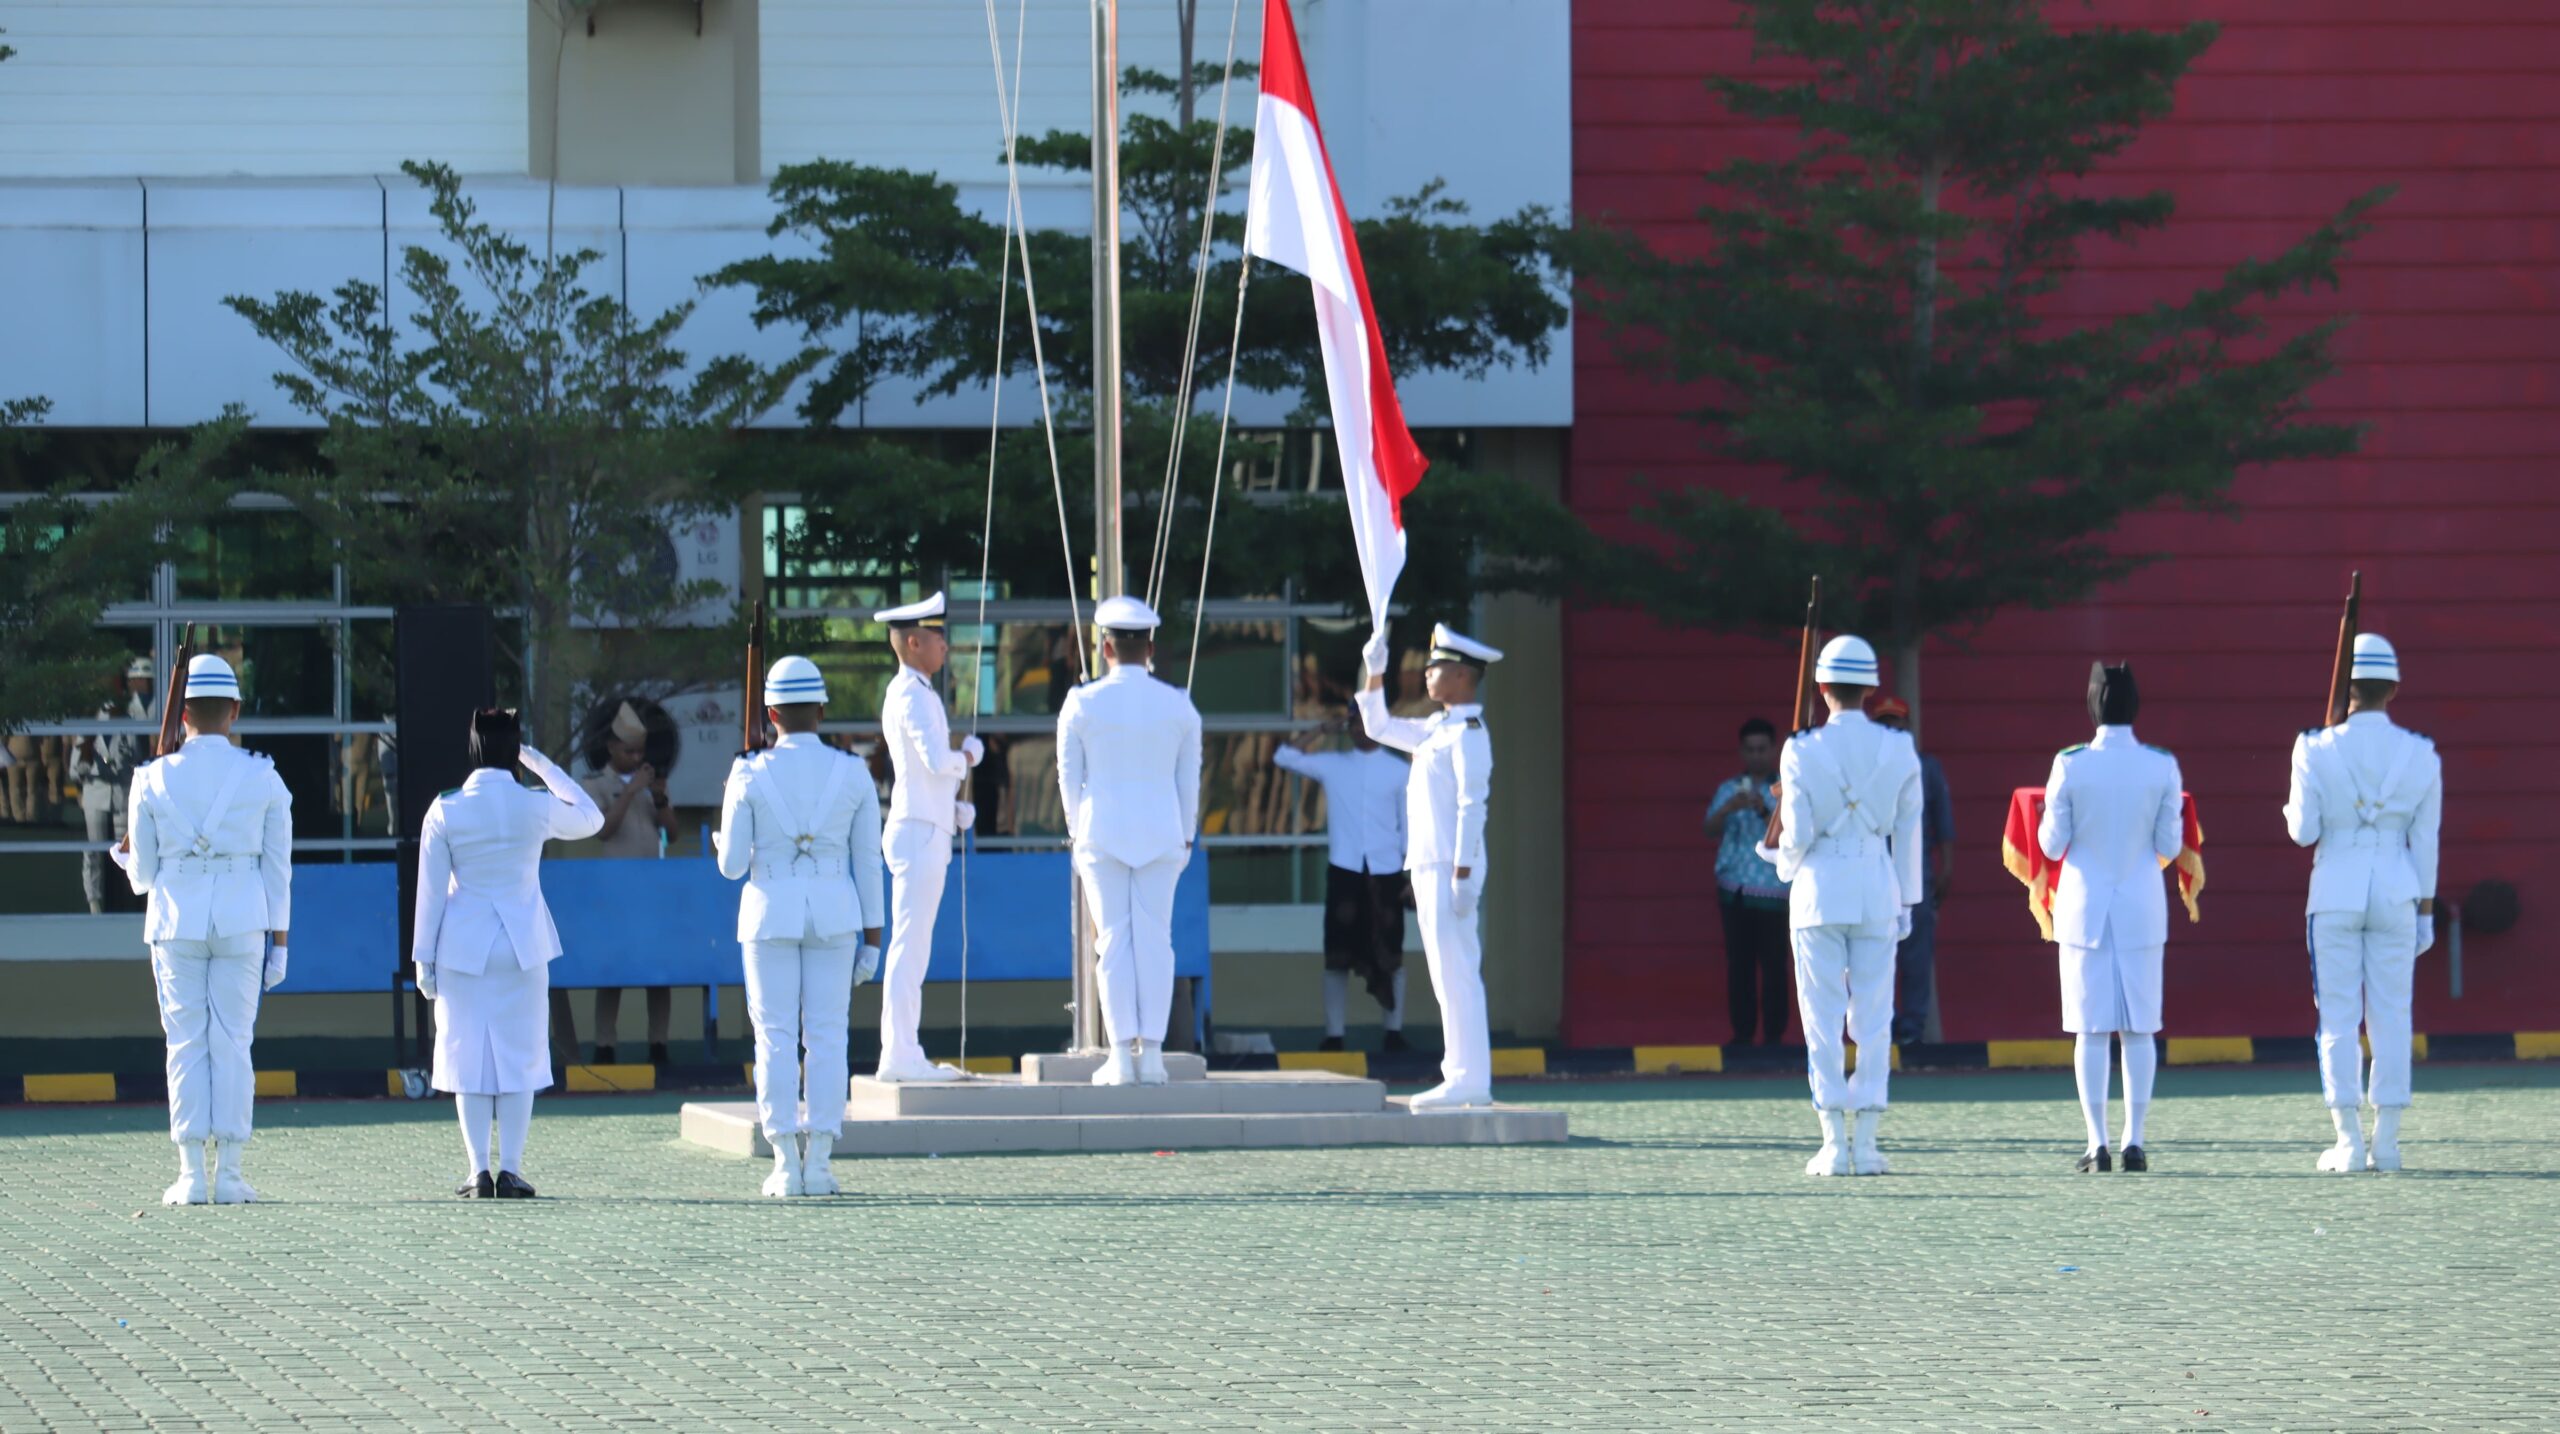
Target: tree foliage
[{"x": 1872, "y": 318}]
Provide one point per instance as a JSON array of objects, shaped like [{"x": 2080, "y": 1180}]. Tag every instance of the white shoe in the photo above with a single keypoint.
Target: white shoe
[
  {"x": 191, "y": 1187},
  {"x": 1863, "y": 1155},
  {"x": 1117, "y": 1068},
  {"x": 918, "y": 1073},
  {"x": 2384, "y": 1153},
  {"x": 230, "y": 1185},
  {"x": 1833, "y": 1157},
  {"x": 786, "y": 1179},
  {"x": 816, "y": 1178},
  {"x": 1151, "y": 1065},
  {"x": 1445, "y": 1097},
  {"x": 2347, "y": 1156}
]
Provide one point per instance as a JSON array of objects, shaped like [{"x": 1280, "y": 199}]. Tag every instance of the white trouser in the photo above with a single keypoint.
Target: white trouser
[
  {"x": 1131, "y": 908},
  {"x": 800, "y": 993},
  {"x": 103, "y": 823},
  {"x": 2111, "y": 986},
  {"x": 208, "y": 1009},
  {"x": 1454, "y": 954},
  {"x": 2363, "y": 964},
  {"x": 1845, "y": 972},
  {"x": 919, "y": 855}
]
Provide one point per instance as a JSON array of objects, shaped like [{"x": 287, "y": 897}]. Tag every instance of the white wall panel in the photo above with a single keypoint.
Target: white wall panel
[
  {"x": 211, "y": 240},
  {"x": 71, "y": 300}
]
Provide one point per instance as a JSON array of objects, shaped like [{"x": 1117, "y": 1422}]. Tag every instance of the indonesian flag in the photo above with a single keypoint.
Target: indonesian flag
[
  {"x": 2024, "y": 856},
  {"x": 1295, "y": 219}
]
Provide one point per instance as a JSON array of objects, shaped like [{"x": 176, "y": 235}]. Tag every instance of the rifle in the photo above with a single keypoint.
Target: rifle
[
  {"x": 174, "y": 702},
  {"x": 2344, "y": 662},
  {"x": 1804, "y": 702},
  {"x": 752, "y": 722}
]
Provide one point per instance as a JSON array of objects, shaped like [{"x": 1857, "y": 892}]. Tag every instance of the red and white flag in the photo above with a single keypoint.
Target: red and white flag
[{"x": 1295, "y": 219}]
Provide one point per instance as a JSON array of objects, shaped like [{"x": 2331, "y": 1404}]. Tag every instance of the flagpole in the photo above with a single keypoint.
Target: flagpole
[{"x": 1108, "y": 575}]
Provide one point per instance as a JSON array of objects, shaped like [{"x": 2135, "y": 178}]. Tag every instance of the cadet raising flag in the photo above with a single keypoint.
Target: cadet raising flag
[{"x": 1296, "y": 219}]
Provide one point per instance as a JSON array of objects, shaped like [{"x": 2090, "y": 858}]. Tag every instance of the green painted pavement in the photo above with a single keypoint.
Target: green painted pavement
[{"x": 1670, "y": 1269}]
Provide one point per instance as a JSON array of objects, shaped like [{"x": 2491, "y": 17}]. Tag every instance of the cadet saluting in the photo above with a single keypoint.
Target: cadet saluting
[
  {"x": 801, "y": 821},
  {"x": 212, "y": 830},
  {"x": 1445, "y": 801},
  {"x": 2369, "y": 796},
  {"x": 484, "y": 941},
  {"x": 2113, "y": 816}
]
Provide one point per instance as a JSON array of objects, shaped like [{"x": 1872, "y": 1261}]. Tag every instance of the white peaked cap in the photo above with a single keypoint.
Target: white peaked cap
[
  {"x": 209, "y": 676},
  {"x": 1848, "y": 661},
  {"x": 1450, "y": 645},
  {"x": 1126, "y": 614},
  {"x": 794, "y": 679},
  {"x": 2374, "y": 659},
  {"x": 914, "y": 612}
]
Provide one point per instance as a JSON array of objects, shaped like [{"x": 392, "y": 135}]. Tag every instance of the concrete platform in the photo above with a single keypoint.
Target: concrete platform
[
  {"x": 1077, "y": 1067},
  {"x": 1244, "y": 1110}
]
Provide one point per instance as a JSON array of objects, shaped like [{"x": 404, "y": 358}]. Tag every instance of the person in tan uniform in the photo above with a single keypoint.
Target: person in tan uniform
[{"x": 632, "y": 794}]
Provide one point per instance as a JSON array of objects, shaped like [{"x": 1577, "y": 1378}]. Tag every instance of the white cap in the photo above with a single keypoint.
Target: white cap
[
  {"x": 1450, "y": 645},
  {"x": 209, "y": 676},
  {"x": 1126, "y": 614},
  {"x": 793, "y": 680},
  {"x": 2374, "y": 659},
  {"x": 1847, "y": 661},
  {"x": 927, "y": 613},
  {"x": 140, "y": 667}
]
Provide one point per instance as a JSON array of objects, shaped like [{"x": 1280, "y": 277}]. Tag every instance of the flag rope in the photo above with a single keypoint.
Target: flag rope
[{"x": 1217, "y": 469}]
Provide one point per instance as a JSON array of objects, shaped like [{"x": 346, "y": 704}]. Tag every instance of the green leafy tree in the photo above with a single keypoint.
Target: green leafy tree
[
  {"x": 905, "y": 284},
  {"x": 517, "y": 439},
  {"x": 1871, "y": 319}
]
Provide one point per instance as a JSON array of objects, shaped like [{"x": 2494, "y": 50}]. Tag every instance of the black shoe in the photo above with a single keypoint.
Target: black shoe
[
  {"x": 478, "y": 1187},
  {"x": 604, "y": 1054},
  {"x": 2098, "y": 1160},
  {"x": 511, "y": 1186},
  {"x": 657, "y": 1053},
  {"x": 2135, "y": 1162},
  {"x": 1330, "y": 1043},
  {"x": 1396, "y": 1045}
]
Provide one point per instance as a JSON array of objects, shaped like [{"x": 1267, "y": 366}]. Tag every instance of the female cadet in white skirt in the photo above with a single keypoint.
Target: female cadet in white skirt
[{"x": 485, "y": 941}]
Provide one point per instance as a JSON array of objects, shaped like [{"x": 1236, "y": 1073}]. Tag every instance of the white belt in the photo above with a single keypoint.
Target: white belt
[
  {"x": 2371, "y": 838},
  {"x": 210, "y": 865},
  {"x": 1849, "y": 845},
  {"x": 794, "y": 868}
]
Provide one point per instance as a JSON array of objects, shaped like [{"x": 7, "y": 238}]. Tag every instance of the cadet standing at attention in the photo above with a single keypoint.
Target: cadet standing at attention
[
  {"x": 1445, "y": 800},
  {"x": 1849, "y": 794},
  {"x": 1129, "y": 774},
  {"x": 2369, "y": 796},
  {"x": 801, "y": 822},
  {"x": 2114, "y": 815},
  {"x": 924, "y": 810},
  {"x": 212, "y": 831}
]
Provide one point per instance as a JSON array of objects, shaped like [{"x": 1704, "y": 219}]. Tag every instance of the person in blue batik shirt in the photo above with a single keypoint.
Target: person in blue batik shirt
[{"x": 1759, "y": 984}]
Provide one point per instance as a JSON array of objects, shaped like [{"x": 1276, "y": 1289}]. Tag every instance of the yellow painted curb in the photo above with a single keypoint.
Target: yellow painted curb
[
  {"x": 274, "y": 1085},
  {"x": 2014, "y": 1054},
  {"x": 2210, "y": 1050},
  {"x": 1849, "y": 1059},
  {"x": 2530, "y": 1046},
  {"x": 1350, "y": 1063},
  {"x": 1674, "y": 1060},
  {"x": 69, "y": 1089},
  {"x": 2417, "y": 1046},
  {"x": 1520, "y": 1061},
  {"x": 613, "y": 1078},
  {"x": 983, "y": 1065},
  {"x": 399, "y": 1089}
]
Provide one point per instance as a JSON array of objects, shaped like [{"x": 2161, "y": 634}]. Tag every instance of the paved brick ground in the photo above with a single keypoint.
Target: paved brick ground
[{"x": 1670, "y": 1269}]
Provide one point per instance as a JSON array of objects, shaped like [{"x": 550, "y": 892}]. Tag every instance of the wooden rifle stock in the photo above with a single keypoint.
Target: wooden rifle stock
[
  {"x": 2343, "y": 662},
  {"x": 1804, "y": 702},
  {"x": 751, "y": 724},
  {"x": 173, "y": 702}
]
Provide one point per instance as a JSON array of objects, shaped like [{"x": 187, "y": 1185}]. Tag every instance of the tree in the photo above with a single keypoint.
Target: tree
[
  {"x": 519, "y": 440},
  {"x": 1869, "y": 320},
  {"x": 917, "y": 281}
]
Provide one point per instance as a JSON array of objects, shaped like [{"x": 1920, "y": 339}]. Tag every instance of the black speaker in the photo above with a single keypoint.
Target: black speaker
[{"x": 441, "y": 663}]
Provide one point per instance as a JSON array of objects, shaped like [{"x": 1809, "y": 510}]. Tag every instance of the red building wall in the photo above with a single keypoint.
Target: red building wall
[{"x": 2452, "y": 510}]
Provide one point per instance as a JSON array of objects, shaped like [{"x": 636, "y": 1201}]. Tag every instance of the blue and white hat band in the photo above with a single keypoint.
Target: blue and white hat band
[
  {"x": 1848, "y": 661},
  {"x": 792, "y": 680},
  {"x": 2375, "y": 661},
  {"x": 210, "y": 676}
]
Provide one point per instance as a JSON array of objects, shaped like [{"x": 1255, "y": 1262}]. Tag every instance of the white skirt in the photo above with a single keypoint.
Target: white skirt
[
  {"x": 493, "y": 1030},
  {"x": 2111, "y": 988}
]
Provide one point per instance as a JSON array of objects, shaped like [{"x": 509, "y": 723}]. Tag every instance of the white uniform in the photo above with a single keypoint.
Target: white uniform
[
  {"x": 924, "y": 807},
  {"x": 1446, "y": 798},
  {"x": 212, "y": 833},
  {"x": 2369, "y": 796},
  {"x": 1129, "y": 774},
  {"x": 484, "y": 929},
  {"x": 2112, "y": 816},
  {"x": 1850, "y": 855},
  {"x": 801, "y": 822}
]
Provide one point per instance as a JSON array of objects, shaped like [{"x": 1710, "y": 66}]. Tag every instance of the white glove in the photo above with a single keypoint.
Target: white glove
[
  {"x": 2426, "y": 932},
  {"x": 1902, "y": 924},
  {"x": 1373, "y": 653},
  {"x": 427, "y": 981},
  {"x": 964, "y": 816},
  {"x": 275, "y": 966},
  {"x": 866, "y": 963},
  {"x": 973, "y": 749},
  {"x": 1463, "y": 891}
]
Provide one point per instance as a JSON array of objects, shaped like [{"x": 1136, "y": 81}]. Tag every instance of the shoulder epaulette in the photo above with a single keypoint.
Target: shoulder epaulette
[
  {"x": 2155, "y": 747},
  {"x": 1475, "y": 724},
  {"x": 2074, "y": 749},
  {"x": 2313, "y": 731},
  {"x": 450, "y": 791},
  {"x": 2421, "y": 736}
]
